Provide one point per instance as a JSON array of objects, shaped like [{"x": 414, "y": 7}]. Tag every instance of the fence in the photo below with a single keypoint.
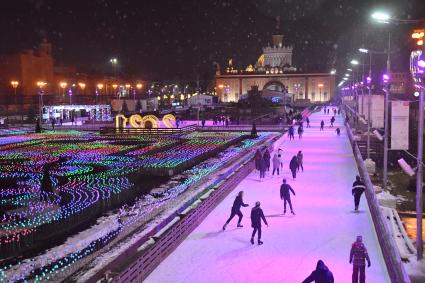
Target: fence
[
  {"x": 243, "y": 128},
  {"x": 138, "y": 261},
  {"x": 388, "y": 245}
]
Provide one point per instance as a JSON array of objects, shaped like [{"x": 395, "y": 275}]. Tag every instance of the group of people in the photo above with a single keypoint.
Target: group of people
[
  {"x": 326, "y": 110},
  {"x": 300, "y": 131},
  {"x": 358, "y": 253}
]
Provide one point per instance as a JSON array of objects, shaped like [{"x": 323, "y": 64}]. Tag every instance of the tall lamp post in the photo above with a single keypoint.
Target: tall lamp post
[
  {"x": 40, "y": 85},
  {"x": 385, "y": 18},
  {"x": 114, "y": 62},
  {"x": 15, "y": 86},
  {"x": 99, "y": 87}
]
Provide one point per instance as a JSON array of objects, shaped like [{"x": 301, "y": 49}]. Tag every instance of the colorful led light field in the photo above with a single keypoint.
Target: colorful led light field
[{"x": 83, "y": 170}]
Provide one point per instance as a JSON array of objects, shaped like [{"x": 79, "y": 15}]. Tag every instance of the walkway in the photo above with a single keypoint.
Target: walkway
[{"x": 324, "y": 227}]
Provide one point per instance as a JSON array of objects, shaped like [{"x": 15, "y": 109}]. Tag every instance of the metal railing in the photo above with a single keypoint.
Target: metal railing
[
  {"x": 389, "y": 249},
  {"x": 138, "y": 261}
]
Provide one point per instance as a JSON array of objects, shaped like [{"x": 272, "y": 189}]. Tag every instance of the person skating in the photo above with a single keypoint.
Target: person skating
[
  {"x": 256, "y": 216},
  {"x": 293, "y": 165},
  {"x": 300, "y": 158},
  {"x": 357, "y": 191},
  {"x": 324, "y": 110},
  {"x": 263, "y": 167},
  {"x": 322, "y": 274},
  {"x": 322, "y": 124},
  {"x": 338, "y": 131},
  {"x": 332, "y": 121},
  {"x": 300, "y": 132},
  {"x": 280, "y": 156},
  {"x": 267, "y": 157},
  {"x": 308, "y": 122},
  {"x": 276, "y": 164},
  {"x": 358, "y": 256},
  {"x": 236, "y": 210},
  {"x": 286, "y": 196},
  {"x": 347, "y": 119},
  {"x": 328, "y": 111},
  {"x": 291, "y": 133},
  {"x": 257, "y": 159}
]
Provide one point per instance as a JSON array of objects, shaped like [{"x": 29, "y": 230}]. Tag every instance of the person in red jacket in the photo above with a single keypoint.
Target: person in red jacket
[{"x": 358, "y": 256}]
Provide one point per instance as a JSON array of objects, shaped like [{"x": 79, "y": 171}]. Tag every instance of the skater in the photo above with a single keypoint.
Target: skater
[
  {"x": 263, "y": 167},
  {"x": 338, "y": 131},
  {"x": 322, "y": 124},
  {"x": 53, "y": 123},
  {"x": 339, "y": 111},
  {"x": 257, "y": 159},
  {"x": 267, "y": 158},
  {"x": 322, "y": 274},
  {"x": 358, "y": 255},
  {"x": 308, "y": 122},
  {"x": 203, "y": 123},
  {"x": 332, "y": 121},
  {"x": 293, "y": 165},
  {"x": 256, "y": 216},
  {"x": 324, "y": 110},
  {"x": 334, "y": 111},
  {"x": 276, "y": 164},
  {"x": 300, "y": 132},
  {"x": 291, "y": 133},
  {"x": 286, "y": 196},
  {"x": 61, "y": 121},
  {"x": 357, "y": 191},
  {"x": 280, "y": 156},
  {"x": 346, "y": 120},
  {"x": 328, "y": 111},
  {"x": 236, "y": 210},
  {"x": 300, "y": 157}
]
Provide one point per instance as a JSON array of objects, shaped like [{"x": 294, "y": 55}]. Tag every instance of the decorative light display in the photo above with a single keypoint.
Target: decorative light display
[{"x": 54, "y": 177}]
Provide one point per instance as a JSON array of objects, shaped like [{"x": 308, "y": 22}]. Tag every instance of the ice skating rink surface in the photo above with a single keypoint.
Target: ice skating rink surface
[{"x": 324, "y": 226}]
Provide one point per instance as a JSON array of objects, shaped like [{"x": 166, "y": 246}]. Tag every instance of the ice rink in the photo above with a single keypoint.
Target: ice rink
[{"x": 324, "y": 226}]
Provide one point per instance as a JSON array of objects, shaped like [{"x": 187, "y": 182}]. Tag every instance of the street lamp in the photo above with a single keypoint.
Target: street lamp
[
  {"x": 40, "y": 85},
  {"x": 354, "y": 62},
  {"x": 100, "y": 87},
  {"x": 70, "y": 96},
  {"x": 320, "y": 91},
  {"x": 114, "y": 62},
  {"x": 381, "y": 17},
  {"x": 82, "y": 86},
  {"x": 15, "y": 86}
]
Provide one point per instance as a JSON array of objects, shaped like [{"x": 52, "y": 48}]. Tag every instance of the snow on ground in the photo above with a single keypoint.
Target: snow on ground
[{"x": 324, "y": 227}]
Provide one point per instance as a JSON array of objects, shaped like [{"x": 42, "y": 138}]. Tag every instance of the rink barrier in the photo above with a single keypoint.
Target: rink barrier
[
  {"x": 389, "y": 249},
  {"x": 137, "y": 262}
]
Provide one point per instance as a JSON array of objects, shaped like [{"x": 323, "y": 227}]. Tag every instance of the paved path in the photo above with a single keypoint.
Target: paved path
[{"x": 324, "y": 226}]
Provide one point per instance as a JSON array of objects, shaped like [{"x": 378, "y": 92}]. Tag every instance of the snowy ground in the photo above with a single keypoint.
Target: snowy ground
[{"x": 324, "y": 227}]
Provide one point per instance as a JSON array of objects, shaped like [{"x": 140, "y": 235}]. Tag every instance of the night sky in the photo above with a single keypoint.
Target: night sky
[{"x": 180, "y": 39}]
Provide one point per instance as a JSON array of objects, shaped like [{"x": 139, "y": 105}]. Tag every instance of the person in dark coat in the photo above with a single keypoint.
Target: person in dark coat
[
  {"x": 338, "y": 131},
  {"x": 203, "y": 123},
  {"x": 286, "y": 196},
  {"x": 267, "y": 158},
  {"x": 358, "y": 256},
  {"x": 293, "y": 165},
  {"x": 236, "y": 210},
  {"x": 322, "y": 274},
  {"x": 328, "y": 110},
  {"x": 300, "y": 132},
  {"x": 291, "y": 133},
  {"x": 324, "y": 110},
  {"x": 256, "y": 216},
  {"x": 347, "y": 119},
  {"x": 322, "y": 124},
  {"x": 308, "y": 122},
  {"x": 357, "y": 191},
  {"x": 332, "y": 121},
  {"x": 257, "y": 159},
  {"x": 263, "y": 167}
]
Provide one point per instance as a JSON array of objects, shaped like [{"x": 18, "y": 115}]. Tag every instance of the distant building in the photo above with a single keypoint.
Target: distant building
[
  {"x": 27, "y": 67},
  {"x": 201, "y": 100},
  {"x": 276, "y": 77}
]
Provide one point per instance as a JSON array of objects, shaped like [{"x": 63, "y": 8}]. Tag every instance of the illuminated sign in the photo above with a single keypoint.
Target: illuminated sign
[{"x": 148, "y": 121}]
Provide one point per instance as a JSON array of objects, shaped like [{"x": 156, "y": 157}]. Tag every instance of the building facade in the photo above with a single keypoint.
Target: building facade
[{"x": 276, "y": 77}]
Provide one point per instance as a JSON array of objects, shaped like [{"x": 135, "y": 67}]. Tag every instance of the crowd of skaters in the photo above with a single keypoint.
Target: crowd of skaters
[{"x": 263, "y": 160}]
